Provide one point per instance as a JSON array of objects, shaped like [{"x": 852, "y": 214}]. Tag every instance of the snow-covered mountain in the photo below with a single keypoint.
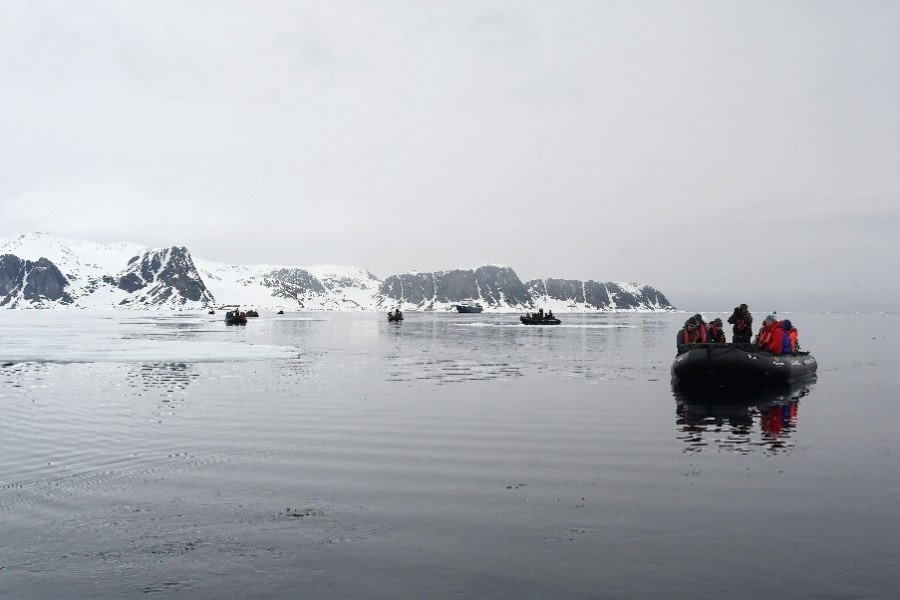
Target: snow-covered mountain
[
  {"x": 310, "y": 288},
  {"x": 38, "y": 270},
  {"x": 499, "y": 288}
]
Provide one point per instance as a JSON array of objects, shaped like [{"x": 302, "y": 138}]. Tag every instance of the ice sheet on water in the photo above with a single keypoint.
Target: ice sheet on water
[{"x": 85, "y": 337}]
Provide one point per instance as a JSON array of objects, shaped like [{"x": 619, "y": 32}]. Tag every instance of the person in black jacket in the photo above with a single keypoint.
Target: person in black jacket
[
  {"x": 743, "y": 324},
  {"x": 715, "y": 333}
]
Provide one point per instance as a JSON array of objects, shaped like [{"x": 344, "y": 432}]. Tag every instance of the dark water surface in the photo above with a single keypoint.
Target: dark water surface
[{"x": 448, "y": 456}]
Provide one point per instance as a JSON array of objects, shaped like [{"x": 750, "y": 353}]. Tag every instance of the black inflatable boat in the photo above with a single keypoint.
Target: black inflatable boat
[
  {"x": 739, "y": 364},
  {"x": 539, "y": 321},
  {"x": 235, "y": 318}
]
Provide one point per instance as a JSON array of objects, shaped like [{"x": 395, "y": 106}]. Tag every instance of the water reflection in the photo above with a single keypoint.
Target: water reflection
[
  {"x": 739, "y": 421},
  {"x": 451, "y": 348}
]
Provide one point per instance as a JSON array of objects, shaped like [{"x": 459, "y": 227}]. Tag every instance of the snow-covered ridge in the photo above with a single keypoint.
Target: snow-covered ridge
[
  {"x": 39, "y": 270},
  {"x": 76, "y": 257}
]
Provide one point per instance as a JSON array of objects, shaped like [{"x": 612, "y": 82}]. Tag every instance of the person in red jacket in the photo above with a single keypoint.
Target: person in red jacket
[{"x": 771, "y": 335}]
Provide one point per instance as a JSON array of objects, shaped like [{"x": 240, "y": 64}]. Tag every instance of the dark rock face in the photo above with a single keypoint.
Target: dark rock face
[
  {"x": 493, "y": 286},
  {"x": 647, "y": 297},
  {"x": 32, "y": 283},
  {"x": 657, "y": 298},
  {"x": 409, "y": 287},
  {"x": 300, "y": 280},
  {"x": 572, "y": 290},
  {"x": 500, "y": 287},
  {"x": 623, "y": 298},
  {"x": 600, "y": 295},
  {"x": 12, "y": 277},
  {"x": 45, "y": 282},
  {"x": 456, "y": 285},
  {"x": 166, "y": 276}
]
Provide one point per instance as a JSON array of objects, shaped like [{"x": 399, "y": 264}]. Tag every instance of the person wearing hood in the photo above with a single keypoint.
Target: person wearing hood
[
  {"x": 702, "y": 329},
  {"x": 743, "y": 324},
  {"x": 716, "y": 335},
  {"x": 771, "y": 335},
  {"x": 789, "y": 344},
  {"x": 687, "y": 335}
]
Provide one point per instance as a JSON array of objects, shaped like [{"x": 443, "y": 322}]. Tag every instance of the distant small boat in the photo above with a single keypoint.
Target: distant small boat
[
  {"x": 212, "y": 312},
  {"x": 235, "y": 318},
  {"x": 252, "y": 313},
  {"x": 537, "y": 320},
  {"x": 468, "y": 306},
  {"x": 397, "y": 317},
  {"x": 280, "y": 312}
]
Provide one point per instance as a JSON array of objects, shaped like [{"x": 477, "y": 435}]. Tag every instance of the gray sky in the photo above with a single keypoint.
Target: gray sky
[{"x": 722, "y": 152}]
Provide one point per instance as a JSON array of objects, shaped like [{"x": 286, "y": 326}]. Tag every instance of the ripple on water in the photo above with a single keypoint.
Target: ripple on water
[{"x": 474, "y": 452}]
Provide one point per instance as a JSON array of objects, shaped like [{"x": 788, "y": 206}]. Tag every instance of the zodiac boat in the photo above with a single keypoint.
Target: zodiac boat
[{"x": 739, "y": 364}]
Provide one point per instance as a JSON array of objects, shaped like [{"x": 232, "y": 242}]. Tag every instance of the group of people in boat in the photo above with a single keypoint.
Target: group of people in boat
[
  {"x": 775, "y": 336},
  {"x": 395, "y": 315},
  {"x": 540, "y": 316}
]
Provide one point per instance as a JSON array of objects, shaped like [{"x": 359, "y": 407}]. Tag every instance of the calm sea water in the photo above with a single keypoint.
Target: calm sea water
[{"x": 448, "y": 456}]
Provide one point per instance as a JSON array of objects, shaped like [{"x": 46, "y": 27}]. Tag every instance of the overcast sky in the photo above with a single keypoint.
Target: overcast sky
[{"x": 722, "y": 152}]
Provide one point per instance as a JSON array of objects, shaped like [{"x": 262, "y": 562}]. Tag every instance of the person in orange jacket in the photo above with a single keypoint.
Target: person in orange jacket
[
  {"x": 702, "y": 328},
  {"x": 771, "y": 335},
  {"x": 687, "y": 335}
]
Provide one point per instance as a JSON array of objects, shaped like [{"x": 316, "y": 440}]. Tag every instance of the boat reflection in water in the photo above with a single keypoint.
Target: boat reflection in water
[{"x": 730, "y": 420}]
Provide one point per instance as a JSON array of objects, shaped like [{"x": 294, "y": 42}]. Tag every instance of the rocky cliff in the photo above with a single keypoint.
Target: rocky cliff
[
  {"x": 165, "y": 277},
  {"x": 500, "y": 288},
  {"x": 491, "y": 285},
  {"x": 38, "y": 284},
  {"x": 42, "y": 271}
]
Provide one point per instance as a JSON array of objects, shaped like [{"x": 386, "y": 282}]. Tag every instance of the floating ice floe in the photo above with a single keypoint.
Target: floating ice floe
[{"x": 95, "y": 337}]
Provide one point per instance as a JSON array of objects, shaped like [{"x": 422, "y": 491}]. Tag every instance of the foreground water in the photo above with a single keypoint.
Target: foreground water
[{"x": 465, "y": 456}]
